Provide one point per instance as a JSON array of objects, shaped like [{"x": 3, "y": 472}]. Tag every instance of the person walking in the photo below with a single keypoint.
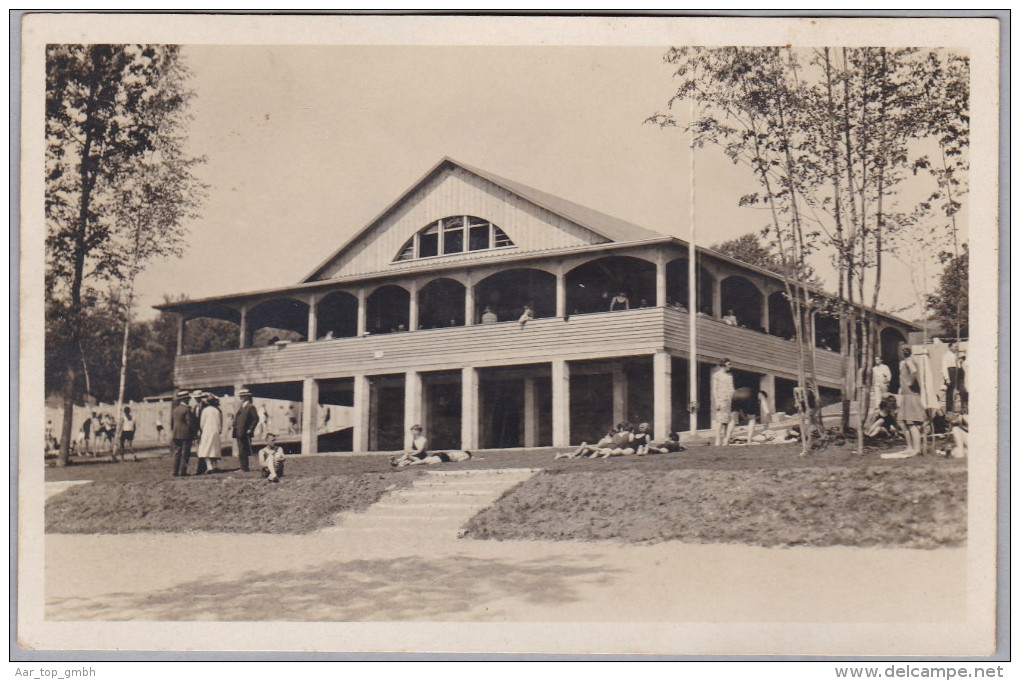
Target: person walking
[
  {"x": 182, "y": 432},
  {"x": 245, "y": 422},
  {"x": 127, "y": 434},
  {"x": 209, "y": 444},
  {"x": 722, "y": 395}
]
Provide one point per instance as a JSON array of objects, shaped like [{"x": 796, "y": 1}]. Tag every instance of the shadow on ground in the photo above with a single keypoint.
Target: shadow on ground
[{"x": 407, "y": 588}]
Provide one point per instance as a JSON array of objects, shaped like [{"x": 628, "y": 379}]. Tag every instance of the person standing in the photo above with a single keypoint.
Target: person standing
[
  {"x": 127, "y": 434},
  {"x": 209, "y": 444},
  {"x": 911, "y": 408},
  {"x": 722, "y": 397},
  {"x": 881, "y": 379},
  {"x": 182, "y": 432},
  {"x": 245, "y": 422}
]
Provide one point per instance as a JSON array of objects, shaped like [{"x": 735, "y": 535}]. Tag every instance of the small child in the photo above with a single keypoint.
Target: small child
[{"x": 271, "y": 459}]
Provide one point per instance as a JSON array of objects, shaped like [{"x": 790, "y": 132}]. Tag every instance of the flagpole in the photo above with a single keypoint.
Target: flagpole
[{"x": 692, "y": 293}]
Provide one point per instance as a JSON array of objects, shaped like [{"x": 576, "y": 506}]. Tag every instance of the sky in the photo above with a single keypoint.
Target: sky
[{"x": 307, "y": 144}]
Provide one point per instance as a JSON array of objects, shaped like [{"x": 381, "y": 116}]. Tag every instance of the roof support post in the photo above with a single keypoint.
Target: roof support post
[
  {"x": 660, "y": 281},
  {"x": 662, "y": 390},
  {"x": 530, "y": 413},
  {"x": 310, "y": 416},
  {"x": 412, "y": 405},
  {"x": 181, "y": 322},
  {"x": 361, "y": 412},
  {"x": 469, "y": 408},
  {"x": 362, "y": 312},
  {"x": 412, "y": 313},
  {"x": 561, "y": 292},
  {"x": 561, "y": 403},
  {"x": 469, "y": 301},
  {"x": 242, "y": 341},
  {"x": 313, "y": 324}
]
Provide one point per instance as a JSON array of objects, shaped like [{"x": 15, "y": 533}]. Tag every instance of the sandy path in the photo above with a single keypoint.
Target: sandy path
[{"x": 359, "y": 578}]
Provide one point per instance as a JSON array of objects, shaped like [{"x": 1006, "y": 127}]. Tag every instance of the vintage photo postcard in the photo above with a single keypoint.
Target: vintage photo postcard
[{"x": 531, "y": 335}]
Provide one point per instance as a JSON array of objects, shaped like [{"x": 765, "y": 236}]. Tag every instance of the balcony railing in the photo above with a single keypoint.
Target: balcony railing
[{"x": 589, "y": 336}]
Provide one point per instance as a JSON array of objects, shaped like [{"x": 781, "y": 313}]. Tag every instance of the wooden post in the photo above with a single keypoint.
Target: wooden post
[
  {"x": 469, "y": 408},
  {"x": 362, "y": 312},
  {"x": 765, "y": 322},
  {"x": 660, "y": 281},
  {"x": 561, "y": 292},
  {"x": 181, "y": 323},
  {"x": 561, "y": 403},
  {"x": 412, "y": 313},
  {"x": 716, "y": 297},
  {"x": 242, "y": 342},
  {"x": 619, "y": 395},
  {"x": 768, "y": 384},
  {"x": 469, "y": 301},
  {"x": 310, "y": 416},
  {"x": 662, "y": 390},
  {"x": 313, "y": 324},
  {"x": 412, "y": 405},
  {"x": 361, "y": 413},
  {"x": 530, "y": 413}
]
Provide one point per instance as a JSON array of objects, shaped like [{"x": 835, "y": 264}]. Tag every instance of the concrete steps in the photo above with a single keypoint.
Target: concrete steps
[{"x": 434, "y": 507}]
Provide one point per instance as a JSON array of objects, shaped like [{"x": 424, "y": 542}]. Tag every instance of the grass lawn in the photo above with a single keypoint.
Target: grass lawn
[{"x": 765, "y": 495}]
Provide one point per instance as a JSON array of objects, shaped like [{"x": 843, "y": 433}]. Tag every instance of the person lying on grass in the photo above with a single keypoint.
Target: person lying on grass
[
  {"x": 670, "y": 445},
  {"x": 589, "y": 450},
  {"x": 271, "y": 459},
  {"x": 455, "y": 456},
  {"x": 622, "y": 444},
  {"x": 419, "y": 448}
]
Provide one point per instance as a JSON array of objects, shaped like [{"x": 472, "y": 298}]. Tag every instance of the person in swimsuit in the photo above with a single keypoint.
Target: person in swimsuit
[
  {"x": 419, "y": 448},
  {"x": 454, "y": 456},
  {"x": 911, "y": 411}
]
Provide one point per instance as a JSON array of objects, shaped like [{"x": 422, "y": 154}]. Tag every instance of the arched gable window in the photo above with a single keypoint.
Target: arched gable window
[{"x": 452, "y": 235}]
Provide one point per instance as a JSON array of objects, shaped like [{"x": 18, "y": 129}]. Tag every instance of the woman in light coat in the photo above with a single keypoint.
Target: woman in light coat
[{"x": 209, "y": 446}]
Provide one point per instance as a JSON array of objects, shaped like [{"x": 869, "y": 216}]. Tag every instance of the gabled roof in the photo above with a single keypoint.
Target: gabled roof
[{"x": 606, "y": 226}]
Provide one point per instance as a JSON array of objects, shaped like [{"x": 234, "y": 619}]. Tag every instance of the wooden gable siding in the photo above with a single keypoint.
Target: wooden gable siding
[
  {"x": 749, "y": 350},
  {"x": 456, "y": 192}
]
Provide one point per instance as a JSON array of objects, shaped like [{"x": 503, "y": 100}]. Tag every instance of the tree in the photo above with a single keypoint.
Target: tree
[
  {"x": 831, "y": 135},
  {"x": 750, "y": 249},
  {"x": 949, "y": 303},
  {"x": 114, "y": 114}
]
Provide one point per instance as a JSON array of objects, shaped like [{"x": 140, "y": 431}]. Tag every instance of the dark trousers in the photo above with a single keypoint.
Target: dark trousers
[
  {"x": 243, "y": 451},
  {"x": 182, "y": 453}
]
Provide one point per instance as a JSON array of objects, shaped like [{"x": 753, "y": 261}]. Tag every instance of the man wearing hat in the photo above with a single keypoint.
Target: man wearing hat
[
  {"x": 245, "y": 422},
  {"x": 182, "y": 432}
]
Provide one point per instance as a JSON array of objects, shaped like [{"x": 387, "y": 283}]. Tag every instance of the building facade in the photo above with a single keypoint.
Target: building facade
[{"x": 421, "y": 318}]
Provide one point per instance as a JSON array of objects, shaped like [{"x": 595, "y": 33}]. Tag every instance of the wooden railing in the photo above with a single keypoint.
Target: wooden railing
[{"x": 590, "y": 336}]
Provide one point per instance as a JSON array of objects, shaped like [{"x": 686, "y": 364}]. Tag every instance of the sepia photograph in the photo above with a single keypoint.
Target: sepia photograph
[{"x": 555, "y": 335}]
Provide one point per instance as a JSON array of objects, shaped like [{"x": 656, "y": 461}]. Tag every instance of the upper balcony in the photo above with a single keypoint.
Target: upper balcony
[{"x": 584, "y": 336}]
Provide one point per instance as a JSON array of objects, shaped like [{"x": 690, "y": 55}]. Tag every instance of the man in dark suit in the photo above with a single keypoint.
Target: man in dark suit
[
  {"x": 182, "y": 431},
  {"x": 244, "y": 427}
]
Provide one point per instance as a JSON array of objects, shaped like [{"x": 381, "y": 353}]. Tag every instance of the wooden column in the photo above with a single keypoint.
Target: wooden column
[
  {"x": 181, "y": 323},
  {"x": 469, "y": 408},
  {"x": 310, "y": 416},
  {"x": 362, "y": 312},
  {"x": 716, "y": 297},
  {"x": 660, "y": 282},
  {"x": 243, "y": 341},
  {"x": 412, "y": 404},
  {"x": 619, "y": 395},
  {"x": 768, "y": 384},
  {"x": 362, "y": 389},
  {"x": 412, "y": 313},
  {"x": 662, "y": 391},
  {"x": 530, "y": 413},
  {"x": 561, "y": 403},
  {"x": 469, "y": 302},
  {"x": 313, "y": 323},
  {"x": 561, "y": 293},
  {"x": 765, "y": 311}
]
